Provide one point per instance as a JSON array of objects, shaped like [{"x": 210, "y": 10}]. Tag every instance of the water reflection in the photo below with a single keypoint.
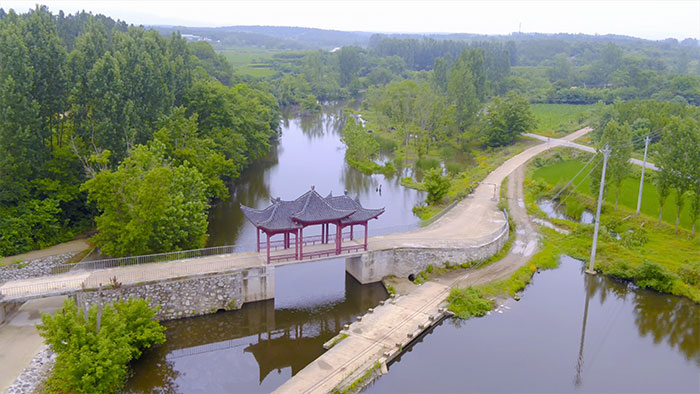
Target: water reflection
[
  {"x": 571, "y": 332},
  {"x": 254, "y": 349},
  {"x": 309, "y": 152}
]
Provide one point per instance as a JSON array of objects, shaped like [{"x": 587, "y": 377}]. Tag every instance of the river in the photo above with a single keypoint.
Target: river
[
  {"x": 262, "y": 345},
  {"x": 635, "y": 340}
]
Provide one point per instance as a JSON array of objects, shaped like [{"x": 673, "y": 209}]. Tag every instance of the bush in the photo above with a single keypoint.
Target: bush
[
  {"x": 635, "y": 238},
  {"x": 574, "y": 209},
  {"x": 653, "y": 276},
  {"x": 436, "y": 184},
  {"x": 690, "y": 273},
  {"x": 468, "y": 302},
  {"x": 94, "y": 350},
  {"x": 620, "y": 269}
]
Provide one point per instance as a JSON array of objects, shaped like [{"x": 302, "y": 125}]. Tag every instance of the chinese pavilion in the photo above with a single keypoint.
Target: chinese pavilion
[{"x": 310, "y": 209}]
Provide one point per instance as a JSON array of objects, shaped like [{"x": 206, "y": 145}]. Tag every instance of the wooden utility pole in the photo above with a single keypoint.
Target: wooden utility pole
[
  {"x": 606, "y": 154},
  {"x": 644, "y": 166}
]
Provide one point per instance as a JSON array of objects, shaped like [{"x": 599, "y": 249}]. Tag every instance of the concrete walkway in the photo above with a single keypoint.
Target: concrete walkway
[
  {"x": 567, "y": 142},
  {"x": 378, "y": 337},
  {"x": 20, "y": 340}
]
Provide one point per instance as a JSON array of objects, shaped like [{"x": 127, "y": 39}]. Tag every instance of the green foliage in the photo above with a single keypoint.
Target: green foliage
[
  {"x": 653, "y": 276},
  {"x": 148, "y": 205},
  {"x": 94, "y": 348},
  {"x": 436, "y": 184},
  {"x": 555, "y": 120},
  {"x": 506, "y": 118},
  {"x": 361, "y": 145},
  {"x": 690, "y": 273},
  {"x": 468, "y": 302}
]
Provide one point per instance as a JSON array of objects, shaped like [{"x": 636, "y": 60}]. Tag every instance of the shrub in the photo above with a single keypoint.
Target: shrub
[
  {"x": 690, "y": 273},
  {"x": 653, "y": 276},
  {"x": 635, "y": 238},
  {"x": 574, "y": 209},
  {"x": 620, "y": 269},
  {"x": 94, "y": 349},
  {"x": 468, "y": 302}
]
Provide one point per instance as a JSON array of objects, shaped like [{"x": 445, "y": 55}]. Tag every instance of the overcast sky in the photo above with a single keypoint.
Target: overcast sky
[{"x": 646, "y": 19}]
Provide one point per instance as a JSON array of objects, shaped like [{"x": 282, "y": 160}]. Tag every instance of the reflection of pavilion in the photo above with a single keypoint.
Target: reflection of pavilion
[
  {"x": 287, "y": 348},
  {"x": 291, "y": 217}
]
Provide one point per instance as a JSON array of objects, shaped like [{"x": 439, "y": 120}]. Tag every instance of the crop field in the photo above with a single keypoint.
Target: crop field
[
  {"x": 560, "y": 173},
  {"x": 555, "y": 120},
  {"x": 250, "y": 61}
]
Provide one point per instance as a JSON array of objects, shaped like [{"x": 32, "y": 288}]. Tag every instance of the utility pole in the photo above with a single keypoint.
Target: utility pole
[
  {"x": 644, "y": 166},
  {"x": 606, "y": 154}
]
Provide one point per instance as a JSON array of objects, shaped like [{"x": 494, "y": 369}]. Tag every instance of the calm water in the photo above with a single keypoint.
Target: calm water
[
  {"x": 310, "y": 153},
  {"x": 628, "y": 340},
  {"x": 259, "y": 347}
]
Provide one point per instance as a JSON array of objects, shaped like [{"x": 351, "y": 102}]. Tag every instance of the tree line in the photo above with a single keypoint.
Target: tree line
[
  {"x": 673, "y": 130},
  {"x": 100, "y": 119}
]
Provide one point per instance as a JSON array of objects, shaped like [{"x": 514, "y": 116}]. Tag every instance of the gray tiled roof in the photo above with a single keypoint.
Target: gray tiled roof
[{"x": 309, "y": 208}]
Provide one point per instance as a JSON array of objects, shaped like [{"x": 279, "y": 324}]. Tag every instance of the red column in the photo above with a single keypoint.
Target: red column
[
  {"x": 323, "y": 233},
  {"x": 338, "y": 238},
  {"x": 328, "y": 230},
  {"x": 268, "y": 248},
  {"x": 365, "y": 236},
  {"x": 296, "y": 244},
  {"x": 257, "y": 233},
  {"x": 351, "y": 228},
  {"x": 301, "y": 243}
]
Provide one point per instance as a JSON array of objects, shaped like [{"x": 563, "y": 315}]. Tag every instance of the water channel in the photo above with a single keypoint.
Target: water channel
[{"x": 634, "y": 340}]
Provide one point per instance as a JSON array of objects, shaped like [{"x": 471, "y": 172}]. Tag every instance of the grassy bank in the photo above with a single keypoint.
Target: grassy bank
[
  {"x": 558, "y": 173},
  {"x": 652, "y": 256}
]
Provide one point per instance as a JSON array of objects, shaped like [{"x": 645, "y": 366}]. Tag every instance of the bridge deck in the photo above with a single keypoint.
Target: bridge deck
[{"x": 73, "y": 281}]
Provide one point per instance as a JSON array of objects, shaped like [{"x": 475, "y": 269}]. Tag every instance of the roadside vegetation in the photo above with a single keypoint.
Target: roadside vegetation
[{"x": 94, "y": 347}]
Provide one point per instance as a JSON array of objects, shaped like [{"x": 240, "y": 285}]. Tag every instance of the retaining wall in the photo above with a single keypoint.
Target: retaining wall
[
  {"x": 193, "y": 295},
  {"x": 401, "y": 262}
]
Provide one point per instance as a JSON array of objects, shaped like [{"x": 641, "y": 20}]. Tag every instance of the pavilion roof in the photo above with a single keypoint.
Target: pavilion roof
[{"x": 309, "y": 208}]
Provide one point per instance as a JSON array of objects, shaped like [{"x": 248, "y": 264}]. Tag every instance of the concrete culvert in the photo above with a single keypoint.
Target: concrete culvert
[{"x": 411, "y": 277}]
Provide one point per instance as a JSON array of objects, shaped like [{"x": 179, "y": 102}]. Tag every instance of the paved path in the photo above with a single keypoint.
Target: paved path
[
  {"x": 75, "y": 246},
  {"x": 20, "y": 340},
  {"x": 566, "y": 141}
]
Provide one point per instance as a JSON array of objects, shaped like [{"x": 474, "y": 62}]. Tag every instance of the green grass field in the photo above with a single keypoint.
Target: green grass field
[
  {"x": 555, "y": 120},
  {"x": 250, "y": 61},
  {"x": 560, "y": 173}
]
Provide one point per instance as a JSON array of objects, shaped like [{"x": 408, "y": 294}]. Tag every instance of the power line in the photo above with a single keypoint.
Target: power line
[
  {"x": 572, "y": 179},
  {"x": 577, "y": 185}
]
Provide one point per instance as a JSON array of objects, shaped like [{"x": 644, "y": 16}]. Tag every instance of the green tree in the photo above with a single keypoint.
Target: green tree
[
  {"x": 619, "y": 139},
  {"x": 506, "y": 118},
  {"x": 22, "y": 142},
  {"x": 349, "y": 63},
  {"x": 94, "y": 347},
  {"x": 462, "y": 92},
  {"x": 361, "y": 145},
  {"x": 436, "y": 185},
  {"x": 679, "y": 155},
  {"x": 148, "y": 205}
]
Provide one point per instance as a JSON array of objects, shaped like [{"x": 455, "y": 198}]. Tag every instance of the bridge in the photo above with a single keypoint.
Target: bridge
[{"x": 473, "y": 229}]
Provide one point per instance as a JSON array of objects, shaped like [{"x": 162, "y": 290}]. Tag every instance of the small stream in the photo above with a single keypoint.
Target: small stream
[{"x": 554, "y": 210}]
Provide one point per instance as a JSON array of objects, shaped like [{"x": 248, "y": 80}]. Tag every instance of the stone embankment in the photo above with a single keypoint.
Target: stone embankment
[
  {"x": 36, "y": 373},
  {"x": 32, "y": 268}
]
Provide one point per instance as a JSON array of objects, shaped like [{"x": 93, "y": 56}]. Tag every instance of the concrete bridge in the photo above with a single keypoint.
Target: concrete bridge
[{"x": 199, "y": 282}]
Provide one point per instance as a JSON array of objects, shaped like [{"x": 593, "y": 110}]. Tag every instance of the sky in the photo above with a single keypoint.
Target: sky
[{"x": 646, "y": 19}]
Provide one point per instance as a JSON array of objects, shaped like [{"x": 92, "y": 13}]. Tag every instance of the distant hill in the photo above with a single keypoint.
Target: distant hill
[{"x": 272, "y": 37}]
